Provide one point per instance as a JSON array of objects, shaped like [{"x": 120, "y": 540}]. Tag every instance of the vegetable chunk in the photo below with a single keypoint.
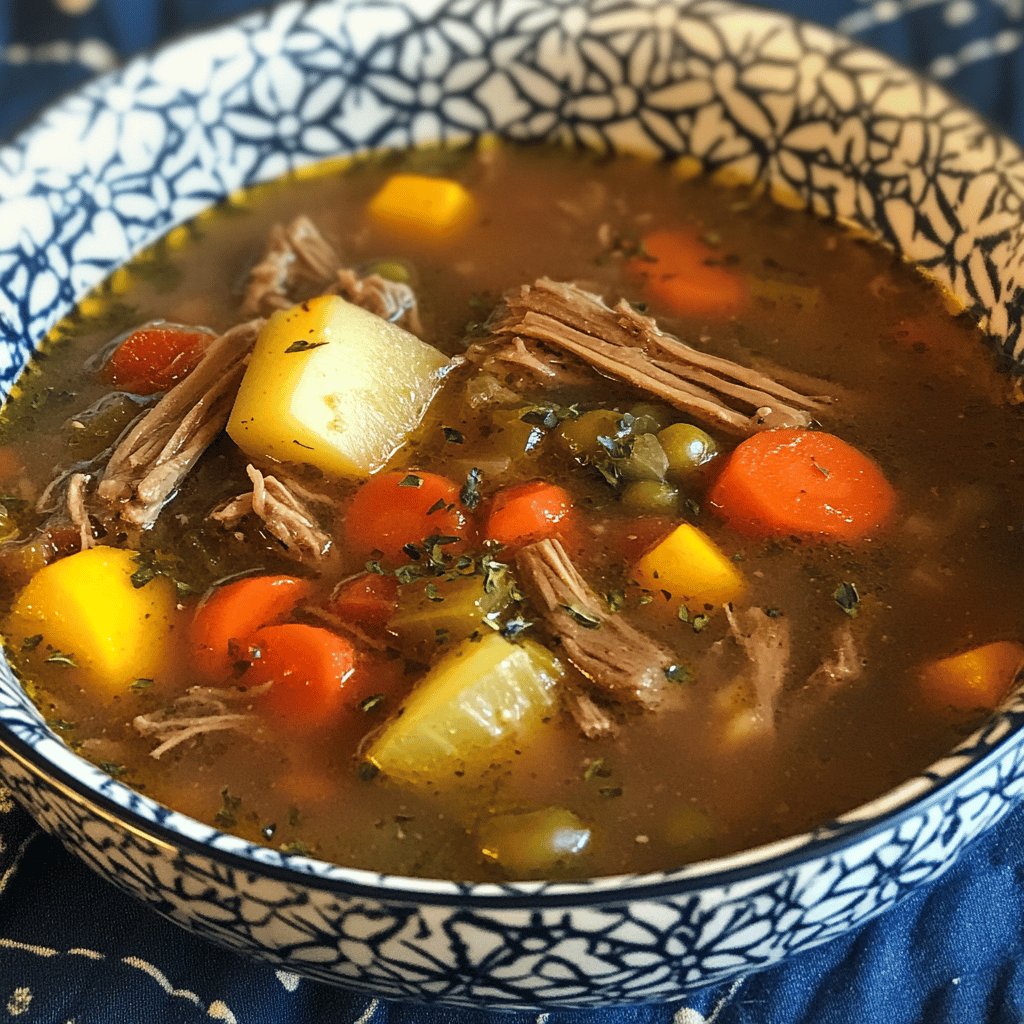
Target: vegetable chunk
[
  {"x": 86, "y": 607},
  {"x": 482, "y": 694},
  {"x": 973, "y": 680},
  {"x": 335, "y": 387},
  {"x": 415, "y": 204},
  {"x": 781, "y": 483},
  {"x": 689, "y": 565}
]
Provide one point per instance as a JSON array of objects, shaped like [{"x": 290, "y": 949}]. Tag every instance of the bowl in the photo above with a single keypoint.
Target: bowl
[{"x": 742, "y": 93}]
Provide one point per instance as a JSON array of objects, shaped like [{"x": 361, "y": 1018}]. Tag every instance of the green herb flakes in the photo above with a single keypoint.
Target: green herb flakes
[
  {"x": 846, "y": 596},
  {"x": 581, "y": 616},
  {"x": 676, "y": 673},
  {"x": 227, "y": 816},
  {"x": 112, "y": 768},
  {"x": 62, "y": 658},
  {"x": 453, "y": 436},
  {"x": 470, "y": 493},
  {"x": 596, "y": 769},
  {"x": 412, "y": 480},
  {"x": 304, "y": 346},
  {"x": 30, "y": 643},
  {"x": 140, "y": 684}
]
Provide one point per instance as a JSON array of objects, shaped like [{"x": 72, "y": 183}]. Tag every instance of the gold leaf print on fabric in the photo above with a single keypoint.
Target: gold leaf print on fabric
[{"x": 19, "y": 1002}]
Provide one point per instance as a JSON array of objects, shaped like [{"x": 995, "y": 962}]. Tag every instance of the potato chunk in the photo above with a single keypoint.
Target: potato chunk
[
  {"x": 482, "y": 694},
  {"x": 333, "y": 386},
  {"x": 85, "y": 606}
]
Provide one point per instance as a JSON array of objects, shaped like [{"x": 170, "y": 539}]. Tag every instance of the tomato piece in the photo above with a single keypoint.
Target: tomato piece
[{"x": 153, "y": 359}]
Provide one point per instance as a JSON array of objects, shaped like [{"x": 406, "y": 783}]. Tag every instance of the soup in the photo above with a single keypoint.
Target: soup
[{"x": 512, "y": 513}]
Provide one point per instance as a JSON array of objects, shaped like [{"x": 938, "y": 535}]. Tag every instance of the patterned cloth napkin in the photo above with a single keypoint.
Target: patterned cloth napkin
[{"x": 74, "y": 949}]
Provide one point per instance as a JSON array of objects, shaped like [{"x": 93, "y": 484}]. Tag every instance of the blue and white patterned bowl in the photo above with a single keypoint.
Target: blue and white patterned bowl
[{"x": 742, "y": 92}]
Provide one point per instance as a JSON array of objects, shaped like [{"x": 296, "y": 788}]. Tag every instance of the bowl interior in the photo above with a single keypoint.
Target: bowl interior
[{"x": 742, "y": 94}]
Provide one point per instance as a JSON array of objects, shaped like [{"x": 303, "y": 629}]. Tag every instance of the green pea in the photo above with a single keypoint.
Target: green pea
[
  {"x": 580, "y": 434},
  {"x": 649, "y": 417},
  {"x": 650, "y": 497},
  {"x": 533, "y": 843},
  {"x": 688, "y": 448}
]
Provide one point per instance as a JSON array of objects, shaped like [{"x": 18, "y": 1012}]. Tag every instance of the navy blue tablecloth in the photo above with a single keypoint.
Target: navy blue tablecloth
[{"x": 72, "y": 948}]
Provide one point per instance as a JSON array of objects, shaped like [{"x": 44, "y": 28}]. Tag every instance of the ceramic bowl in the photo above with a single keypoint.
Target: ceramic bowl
[{"x": 740, "y": 92}]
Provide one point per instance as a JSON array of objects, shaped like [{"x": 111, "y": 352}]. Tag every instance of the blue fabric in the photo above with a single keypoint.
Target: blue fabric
[{"x": 73, "y": 948}]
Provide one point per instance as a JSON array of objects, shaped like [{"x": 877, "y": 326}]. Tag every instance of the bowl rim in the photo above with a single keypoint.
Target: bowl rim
[{"x": 863, "y": 823}]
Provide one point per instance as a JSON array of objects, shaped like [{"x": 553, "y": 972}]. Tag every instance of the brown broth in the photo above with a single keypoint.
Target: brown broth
[{"x": 944, "y": 577}]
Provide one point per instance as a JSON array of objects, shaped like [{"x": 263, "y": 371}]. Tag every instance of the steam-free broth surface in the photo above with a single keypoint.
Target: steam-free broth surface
[{"x": 713, "y": 763}]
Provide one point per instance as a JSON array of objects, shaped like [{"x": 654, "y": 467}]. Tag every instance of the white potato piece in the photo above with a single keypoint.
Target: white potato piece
[{"x": 334, "y": 386}]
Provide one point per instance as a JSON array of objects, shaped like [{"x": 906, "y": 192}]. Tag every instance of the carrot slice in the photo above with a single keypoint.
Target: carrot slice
[
  {"x": 154, "y": 359},
  {"x": 527, "y": 512},
  {"x": 367, "y": 600},
  {"x": 308, "y": 668},
  {"x": 683, "y": 274},
  {"x": 394, "y": 509},
  {"x": 787, "y": 482},
  {"x": 230, "y": 614},
  {"x": 973, "y": 680}
]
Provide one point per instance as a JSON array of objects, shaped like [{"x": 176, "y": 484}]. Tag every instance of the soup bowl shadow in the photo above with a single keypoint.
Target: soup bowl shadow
[{"x": 740, "y": 93}]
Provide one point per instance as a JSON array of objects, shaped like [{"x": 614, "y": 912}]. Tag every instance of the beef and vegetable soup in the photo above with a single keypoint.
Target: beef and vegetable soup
[{"x": 513, "y": 513}]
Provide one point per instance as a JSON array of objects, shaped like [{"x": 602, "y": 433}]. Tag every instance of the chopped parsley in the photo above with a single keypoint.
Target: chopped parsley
[
  {"x": 453, "y": 436},
  {"x": 411, "y": 480},
  {"x": 470, "y": 493},
  {"x": 372, "y": 702},
  {"x": 581, "y": 616},
  {"x": 846, "y": 596},
  {"x": 30, "y": 643},
  {"x": 304, "y": 346},
  {"x": 676, "y": 673},
  {"x": 227, "y": 816},
  {"x": 140, "y": 684}
]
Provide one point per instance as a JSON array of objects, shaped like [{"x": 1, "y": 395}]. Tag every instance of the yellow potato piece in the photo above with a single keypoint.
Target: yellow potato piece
[
  {"x": 484, "y": 693},
  {"x": 86, "y": 606},
  {"x": 689, "y": 565},
  {"x": 426, "y": 207},
  {"x": 334, "y": 386}
]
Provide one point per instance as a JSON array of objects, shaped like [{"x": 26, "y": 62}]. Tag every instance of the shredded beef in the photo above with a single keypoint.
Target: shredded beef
[
  {"x": 390, "y": 300},
  {"x": 77, "y": 512},
  {"x": 625, "y": 344},
  {"x": 285, "y": 512},
  {"x": 619, "y": 661},
  {"x": 299, "y": 262},
  {"x": 201, "y": 710},
  {"x": 152, "y": 459},
  {"x": 841, "y": 665},
  {"x": 766, "y": 642},
  {"x": 503, "y": 357},
  {"x": 594, "y": 722},
  {"x": 296, "y": 255}
]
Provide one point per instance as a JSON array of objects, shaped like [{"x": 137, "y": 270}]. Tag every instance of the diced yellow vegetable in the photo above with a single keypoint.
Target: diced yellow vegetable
[
  {"x": 688, "y": 565},
  {"x": 534, "y": 843},
  {"x": 418, "y": 205},
  {"x": 333, "y": 386},
  {"x": 86, "y": 606},
  {"x": 973, "y": 680},
  {"x": 481, "y": 695}
]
